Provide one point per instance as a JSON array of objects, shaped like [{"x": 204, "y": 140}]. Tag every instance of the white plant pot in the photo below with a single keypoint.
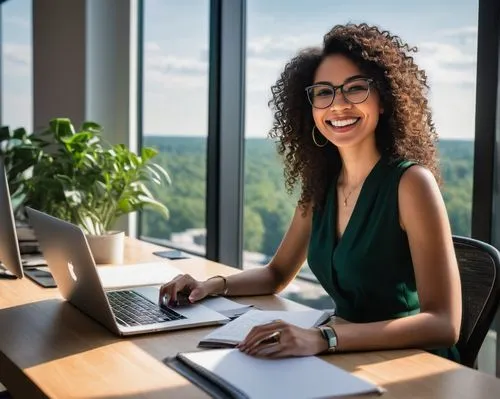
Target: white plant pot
[{"x": 107, "y": 248}]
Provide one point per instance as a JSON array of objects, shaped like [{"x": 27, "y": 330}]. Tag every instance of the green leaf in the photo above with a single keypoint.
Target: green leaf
[
  {"x": 91, "y": 126},
  {"x": 61, "y": 127},
  {"x": 82, "y": 137},
  {"x": 73, "y": 197},
  {"x": 20, "y": 134},
  {"x": 162, "y": 171},
  {"x": 4, "y": 133},
  {"x": 148, "y": 153},
  {"x": 154, "y": 204}
]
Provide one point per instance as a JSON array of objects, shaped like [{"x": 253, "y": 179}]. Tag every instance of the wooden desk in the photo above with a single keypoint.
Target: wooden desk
[{"x": 48, "y": 348}]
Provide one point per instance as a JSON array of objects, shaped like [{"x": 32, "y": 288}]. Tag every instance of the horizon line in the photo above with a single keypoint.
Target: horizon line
[{"x": 267, "y": 138}]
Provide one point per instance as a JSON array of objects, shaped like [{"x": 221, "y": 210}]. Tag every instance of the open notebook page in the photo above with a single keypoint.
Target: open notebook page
[{"x": 236, "y": 330}]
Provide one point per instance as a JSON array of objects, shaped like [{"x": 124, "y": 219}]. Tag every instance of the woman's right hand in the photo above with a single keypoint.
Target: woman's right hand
[{"x": 185, "y": 284}]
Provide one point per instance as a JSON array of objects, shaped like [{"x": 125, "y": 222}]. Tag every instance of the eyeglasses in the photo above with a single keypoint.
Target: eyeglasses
[{"x": 355, "y": 91}]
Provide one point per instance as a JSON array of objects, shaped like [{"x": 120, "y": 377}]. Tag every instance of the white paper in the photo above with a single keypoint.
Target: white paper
[
  {"x": 225, "y": 306},
  {"x": 136, "y": 275},
  {"x": 291, "y": 378},
  {"x": 236, "y": 330}
]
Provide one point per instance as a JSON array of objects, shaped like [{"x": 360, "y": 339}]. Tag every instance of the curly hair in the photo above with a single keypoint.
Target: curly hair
[{"x": 405, "y": 130}]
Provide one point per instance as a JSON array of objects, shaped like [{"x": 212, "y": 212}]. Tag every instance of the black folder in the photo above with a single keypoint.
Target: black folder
[{"x": 211, "y": 384}]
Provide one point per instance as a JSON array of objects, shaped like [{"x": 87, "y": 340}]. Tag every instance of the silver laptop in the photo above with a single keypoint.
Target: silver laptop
[
  {"x": 10, "y": 258},
  {"x": 125, "y": 311}
]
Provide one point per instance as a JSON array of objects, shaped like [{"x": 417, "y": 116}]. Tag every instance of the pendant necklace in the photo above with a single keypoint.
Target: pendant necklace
[{"x": 346, "y": 197}]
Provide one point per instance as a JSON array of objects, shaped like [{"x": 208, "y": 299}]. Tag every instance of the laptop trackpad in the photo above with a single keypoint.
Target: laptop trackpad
[{"x": 194, "y": 311}]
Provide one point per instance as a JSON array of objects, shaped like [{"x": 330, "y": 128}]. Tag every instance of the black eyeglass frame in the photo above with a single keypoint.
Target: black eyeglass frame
[{"x": 308, "y": 89}]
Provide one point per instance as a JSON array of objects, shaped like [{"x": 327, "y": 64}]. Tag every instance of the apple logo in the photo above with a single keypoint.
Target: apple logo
[{"x": 72, "y": 271}]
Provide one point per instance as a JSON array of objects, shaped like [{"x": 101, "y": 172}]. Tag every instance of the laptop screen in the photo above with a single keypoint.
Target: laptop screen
[{"x": 10, "y": 257}]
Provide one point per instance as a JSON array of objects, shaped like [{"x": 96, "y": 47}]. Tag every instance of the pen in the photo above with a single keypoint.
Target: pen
[
  {"x": 270, "y": 339},
  {"x": 273, "y": 338}
]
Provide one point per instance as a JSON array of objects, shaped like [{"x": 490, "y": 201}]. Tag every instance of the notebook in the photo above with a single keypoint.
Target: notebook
[
  {"x": 235, "y": 331},
  {"x": 229, "y": 373}
]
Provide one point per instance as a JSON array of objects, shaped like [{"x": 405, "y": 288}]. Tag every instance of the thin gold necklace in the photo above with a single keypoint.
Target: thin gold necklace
[{"x": 346, "y": 197}]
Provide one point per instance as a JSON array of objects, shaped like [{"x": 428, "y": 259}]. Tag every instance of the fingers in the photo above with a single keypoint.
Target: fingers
[
  {"x": 182, "y": 282},
  {"x": 196, "y": 295},
  {"x": 265, "y": 334},
  {"x": 274, "y": 345},
  {"x": 274, "y": 350}
]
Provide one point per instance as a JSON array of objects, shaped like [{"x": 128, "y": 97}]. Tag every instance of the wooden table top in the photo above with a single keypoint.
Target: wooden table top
[{"x": 49, "y": 348}]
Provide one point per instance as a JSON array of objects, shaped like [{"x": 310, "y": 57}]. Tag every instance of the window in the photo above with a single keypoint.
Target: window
[
  {"x": 17, "y": 65},
  {"x": 175, "y": 108},
  {"x": 448, "y": 48}
]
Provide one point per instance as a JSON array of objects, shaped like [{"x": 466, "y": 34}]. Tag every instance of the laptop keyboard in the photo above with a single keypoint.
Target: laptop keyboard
[{"x": 132, "y": 309}]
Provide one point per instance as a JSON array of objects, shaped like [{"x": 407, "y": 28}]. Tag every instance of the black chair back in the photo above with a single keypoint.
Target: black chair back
[{"x": 479, "y": 265}]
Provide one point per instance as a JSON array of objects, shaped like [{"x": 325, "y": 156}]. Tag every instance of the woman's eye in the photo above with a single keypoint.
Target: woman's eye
[
  {"x": 323, "y": 92},
  {"x": 356, "y": 88}
]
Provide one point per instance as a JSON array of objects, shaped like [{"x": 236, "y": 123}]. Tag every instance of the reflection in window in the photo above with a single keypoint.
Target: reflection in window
[
  {"x": 175, "y": 108},
  {"x": 448, "y": 54},
  {"x": 17, "y": 64}
]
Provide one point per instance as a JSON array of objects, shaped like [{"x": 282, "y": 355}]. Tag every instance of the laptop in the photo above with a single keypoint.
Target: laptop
[
  {"x": 10, "y": 257},
  {"x": 134, "y": 310}
]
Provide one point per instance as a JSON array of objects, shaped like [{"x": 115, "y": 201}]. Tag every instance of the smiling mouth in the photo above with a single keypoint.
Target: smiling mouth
[{"x": 343, "y": 123}]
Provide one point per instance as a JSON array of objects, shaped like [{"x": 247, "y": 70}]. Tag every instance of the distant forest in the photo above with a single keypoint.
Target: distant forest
[{"x": 268, "y": 208}]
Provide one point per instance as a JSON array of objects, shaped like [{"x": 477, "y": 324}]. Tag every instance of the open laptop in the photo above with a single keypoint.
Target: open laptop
[
  {"x": 124, "y": 312},
  {"x": 10, "y": 257}
]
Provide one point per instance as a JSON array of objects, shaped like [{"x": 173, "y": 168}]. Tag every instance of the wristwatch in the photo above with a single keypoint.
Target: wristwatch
[{"x": 331, "y": 337}]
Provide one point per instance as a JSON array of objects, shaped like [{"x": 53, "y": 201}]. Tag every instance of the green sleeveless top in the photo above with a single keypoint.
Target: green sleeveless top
[{"x": 369, "y": 271}]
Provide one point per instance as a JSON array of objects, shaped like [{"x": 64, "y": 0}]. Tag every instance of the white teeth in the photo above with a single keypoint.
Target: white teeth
[{"x": 343, "y": 122}]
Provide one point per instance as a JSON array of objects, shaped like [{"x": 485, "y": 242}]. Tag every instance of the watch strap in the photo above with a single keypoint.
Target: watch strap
[{"x": 330, "y": 336}]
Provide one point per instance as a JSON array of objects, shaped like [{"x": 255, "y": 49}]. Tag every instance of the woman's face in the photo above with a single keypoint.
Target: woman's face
[{"x": 343, "y": 123}]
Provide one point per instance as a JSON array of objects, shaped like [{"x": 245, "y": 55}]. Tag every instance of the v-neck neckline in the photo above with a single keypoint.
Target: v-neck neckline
[{"x": 355, "y": 210}]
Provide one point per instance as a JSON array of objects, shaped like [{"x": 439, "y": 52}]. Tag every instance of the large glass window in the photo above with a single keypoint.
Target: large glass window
[
  {"x": 175, "y": 108},
  {"x": 447, "y": 53},
  {"x": 17, "y": 64}
]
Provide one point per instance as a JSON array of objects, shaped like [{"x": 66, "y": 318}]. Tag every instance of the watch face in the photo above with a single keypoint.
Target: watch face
[{"x": 332, "y": 339}]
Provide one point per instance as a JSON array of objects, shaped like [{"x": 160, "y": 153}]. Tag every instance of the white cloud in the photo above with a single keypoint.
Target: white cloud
[
  {"x": 173, "y": 64},
  {"x": 151, "y": 47},
  {"x": 156, "y": 81},
  {"x": 171, "y": 71},
  {"x": 445, "y": 63},
  {"x": 266, "y": 57},
  {"x": 17, "y": 54},
  {"x": 444, "y": 52},
  {"x": 454, "y": 111},
  {"x": 272, "y": 46}
]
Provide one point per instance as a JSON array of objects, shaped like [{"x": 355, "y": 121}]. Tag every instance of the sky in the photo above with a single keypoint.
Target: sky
[{"x": 176, "y": 57}]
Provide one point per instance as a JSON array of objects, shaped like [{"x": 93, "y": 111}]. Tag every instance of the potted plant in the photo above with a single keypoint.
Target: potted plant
[{"x": 78, "y": 177}]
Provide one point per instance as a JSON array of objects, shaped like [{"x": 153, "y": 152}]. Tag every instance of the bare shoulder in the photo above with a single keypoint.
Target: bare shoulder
[
  {"x": 419, "y": 196},
  {"x": 417, "y": 179}
]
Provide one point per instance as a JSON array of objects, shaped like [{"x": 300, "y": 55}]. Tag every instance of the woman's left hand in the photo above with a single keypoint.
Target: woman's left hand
[{"x": 288, "y": 340}]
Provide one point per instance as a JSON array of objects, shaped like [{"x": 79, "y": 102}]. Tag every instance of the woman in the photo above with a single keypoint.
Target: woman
[{"x": 356, "y": 132}]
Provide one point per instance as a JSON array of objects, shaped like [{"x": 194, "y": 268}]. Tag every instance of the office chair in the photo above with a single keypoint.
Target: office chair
[{"x": 479, "y": 266}]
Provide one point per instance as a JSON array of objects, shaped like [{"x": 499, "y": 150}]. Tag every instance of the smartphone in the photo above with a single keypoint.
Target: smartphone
[{"x": 171, "y": 254}]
